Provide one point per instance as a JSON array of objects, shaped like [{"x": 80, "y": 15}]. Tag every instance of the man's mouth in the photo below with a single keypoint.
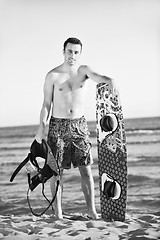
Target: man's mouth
[{"x": 71, "y": 60}]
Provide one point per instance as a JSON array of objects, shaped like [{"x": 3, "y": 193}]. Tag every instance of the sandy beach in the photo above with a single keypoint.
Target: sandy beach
[{"x": 27, "y": 227}]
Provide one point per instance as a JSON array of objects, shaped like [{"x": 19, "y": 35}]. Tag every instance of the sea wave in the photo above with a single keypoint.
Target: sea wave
[
  {"x": 147, "y": 141},
  {"x": 143, "y": 131},
  {"x": 137, "y": 178},
  {"x": 9, "y": 148},
  {"x": 145, "y": 161}
]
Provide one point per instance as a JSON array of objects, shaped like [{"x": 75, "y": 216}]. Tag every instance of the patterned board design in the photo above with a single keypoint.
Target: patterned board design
[{"x": 112, "y": 154}]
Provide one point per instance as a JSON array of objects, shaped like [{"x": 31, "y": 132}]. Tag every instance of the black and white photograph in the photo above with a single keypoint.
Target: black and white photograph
[{"x": 79, "y": 119}]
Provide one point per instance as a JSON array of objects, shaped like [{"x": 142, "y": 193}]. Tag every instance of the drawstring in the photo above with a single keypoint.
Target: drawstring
[{"x": 50, "y": 202}]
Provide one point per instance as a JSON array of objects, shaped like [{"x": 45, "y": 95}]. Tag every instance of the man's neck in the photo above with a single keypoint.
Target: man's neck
[{"x": 70, "y": 68}]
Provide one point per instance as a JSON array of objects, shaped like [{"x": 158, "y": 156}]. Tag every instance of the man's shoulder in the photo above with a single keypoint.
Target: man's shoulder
[
  {"x": 55, "y": 71},
  {"x": 83, "y": 69}
]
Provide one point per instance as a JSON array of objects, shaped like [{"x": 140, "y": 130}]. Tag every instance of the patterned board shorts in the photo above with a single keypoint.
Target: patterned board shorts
[{"x": 69, "y": 142}]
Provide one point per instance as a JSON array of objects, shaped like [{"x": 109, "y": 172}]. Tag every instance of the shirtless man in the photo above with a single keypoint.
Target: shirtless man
[{"x": 68, "y": 136}]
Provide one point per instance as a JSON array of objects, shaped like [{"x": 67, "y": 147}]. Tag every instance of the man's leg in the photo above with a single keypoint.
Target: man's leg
[
  {"x": 58, "y": 200},
  {"x": 87, "y": 183}
]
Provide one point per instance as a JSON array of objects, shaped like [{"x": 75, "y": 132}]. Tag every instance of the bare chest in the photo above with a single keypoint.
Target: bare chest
[{"x": 70, "y": 85}]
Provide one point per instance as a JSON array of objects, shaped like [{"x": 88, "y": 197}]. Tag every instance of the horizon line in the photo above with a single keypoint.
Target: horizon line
[{"x": 94, "y": 120}]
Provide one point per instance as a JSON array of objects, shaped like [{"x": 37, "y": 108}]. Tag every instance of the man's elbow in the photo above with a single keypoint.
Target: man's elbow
[
  {"x": 110, "y": 81},
  {"x": 46, "y": 106},
  {"x": 105, "y": 79}
]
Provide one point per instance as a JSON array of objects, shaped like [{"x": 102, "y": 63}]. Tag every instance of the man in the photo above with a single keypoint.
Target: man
[{"x": 68, "y": 136}]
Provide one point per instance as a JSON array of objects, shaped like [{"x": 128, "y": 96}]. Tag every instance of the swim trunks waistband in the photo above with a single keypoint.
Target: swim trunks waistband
[{"x": 55, "y": 119}]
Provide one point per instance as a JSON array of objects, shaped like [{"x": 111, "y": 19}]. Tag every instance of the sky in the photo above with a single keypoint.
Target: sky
[{"x": 121, "y": 39}]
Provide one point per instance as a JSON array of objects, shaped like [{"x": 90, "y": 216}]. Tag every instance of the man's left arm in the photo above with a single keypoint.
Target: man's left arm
[{"x": 96, "y": 77}]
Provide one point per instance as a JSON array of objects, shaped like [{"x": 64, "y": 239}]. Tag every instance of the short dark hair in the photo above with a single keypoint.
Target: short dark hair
[{"x": 73, "y": 41}]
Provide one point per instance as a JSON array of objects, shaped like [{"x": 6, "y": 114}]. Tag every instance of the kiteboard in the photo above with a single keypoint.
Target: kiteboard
[{"x": 112, "y": 153}]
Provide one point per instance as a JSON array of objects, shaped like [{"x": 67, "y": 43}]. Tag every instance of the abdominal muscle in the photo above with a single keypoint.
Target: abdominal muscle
[{"x": 68, "y": 104}]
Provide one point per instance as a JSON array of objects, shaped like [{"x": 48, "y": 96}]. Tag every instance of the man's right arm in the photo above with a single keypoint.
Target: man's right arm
[{"x": 44, "y": 114}]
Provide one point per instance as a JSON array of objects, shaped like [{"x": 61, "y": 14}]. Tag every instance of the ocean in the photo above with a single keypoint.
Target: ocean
[{"x": 143, "y": 150}]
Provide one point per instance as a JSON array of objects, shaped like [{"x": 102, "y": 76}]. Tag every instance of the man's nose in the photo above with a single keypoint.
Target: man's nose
[{"x": 72, "y": 54}]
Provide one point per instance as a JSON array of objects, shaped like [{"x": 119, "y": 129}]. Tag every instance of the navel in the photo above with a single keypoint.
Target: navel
[{"x": 70, "y": 112}]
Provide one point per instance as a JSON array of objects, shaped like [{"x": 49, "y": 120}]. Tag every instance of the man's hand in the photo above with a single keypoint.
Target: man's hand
[{"x": 40, "y": 135}]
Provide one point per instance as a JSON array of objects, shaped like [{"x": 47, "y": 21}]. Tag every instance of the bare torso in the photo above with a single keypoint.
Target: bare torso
[{"x": 69, "y": 91}]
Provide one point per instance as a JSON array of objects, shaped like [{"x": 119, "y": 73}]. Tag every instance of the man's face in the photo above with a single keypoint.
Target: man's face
[{"x": 72, "y": 53}]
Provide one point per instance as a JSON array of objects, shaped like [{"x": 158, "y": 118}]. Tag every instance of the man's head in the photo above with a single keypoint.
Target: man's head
[
  {"x": 72, "y": 49},
  {"x": 72, "y": 40}
]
